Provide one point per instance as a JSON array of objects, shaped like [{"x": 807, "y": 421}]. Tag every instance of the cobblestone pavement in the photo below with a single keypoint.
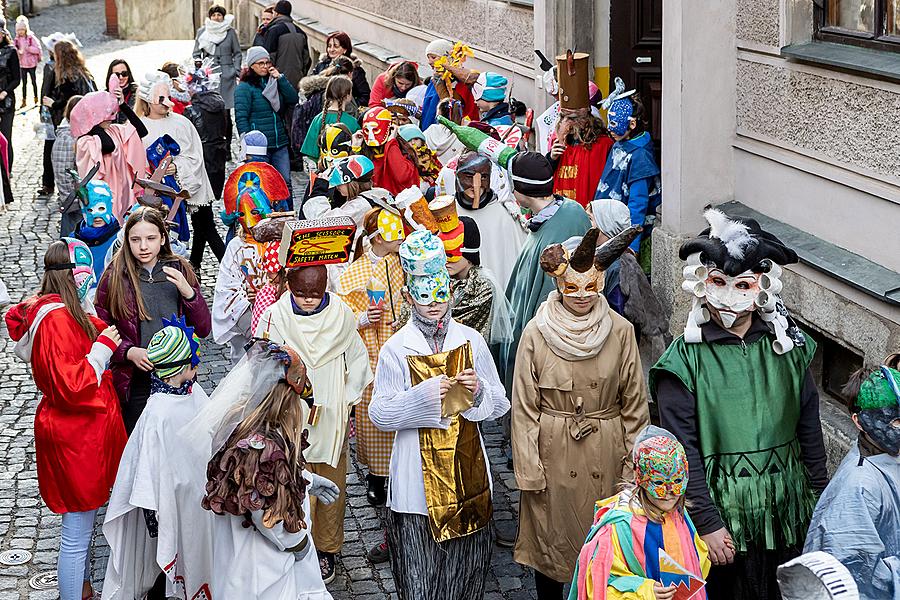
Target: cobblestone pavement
[{"x": 26, "y": 228}]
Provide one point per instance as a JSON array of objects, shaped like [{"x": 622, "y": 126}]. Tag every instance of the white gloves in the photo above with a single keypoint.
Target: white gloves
[{"x": 323, "y": 489}]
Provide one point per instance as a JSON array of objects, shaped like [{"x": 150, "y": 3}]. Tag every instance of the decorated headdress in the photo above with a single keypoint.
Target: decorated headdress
[
  {"x": 155, "y": 88},
  {"x": 376, "y": 126},
  {"x": 93, "y": 109},
  {"x": 424, "y": 260},
  {"x": 450, "y": 229},
  {"x": 336, "y": 142},
  {"x": 96, "y": 200},
  {"x": 51, "y": 40},
  {"x": 198, "y": 79},
  {"x": 660, "y": 463},
  {"x": 414, "y": 209},
  {"x": 619, "y": 107},
  {"x": 578, "y": 263},
  {"x": 572, "y": 73},
  {"x": 316, "y": 242},
  {"x": 173, "y": 348},
  {"x": 876, "y": 403},
  {"x": 250, "y": 192},
  {"x": 738, "y": 247},
  {"x": 403, "y": 106},
  {"x": 351, "y": 168},
  {"x": 81, "y": 261}
]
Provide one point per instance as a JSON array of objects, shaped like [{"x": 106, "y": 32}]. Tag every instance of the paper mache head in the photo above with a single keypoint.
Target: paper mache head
[{"x": 578, "y": 263}]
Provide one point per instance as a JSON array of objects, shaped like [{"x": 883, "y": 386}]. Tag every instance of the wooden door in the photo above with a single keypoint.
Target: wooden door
[{"x": 635, "y": 51}]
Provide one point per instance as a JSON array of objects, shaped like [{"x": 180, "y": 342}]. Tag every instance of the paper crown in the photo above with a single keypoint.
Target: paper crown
[
  {"x": 316, "y": 242},
  {"x": 422, "y": 254},
  {"x": 451, "y": 230}
]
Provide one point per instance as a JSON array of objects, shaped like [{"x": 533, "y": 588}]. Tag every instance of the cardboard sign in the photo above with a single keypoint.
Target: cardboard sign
[{"x": 316, "y": 242}]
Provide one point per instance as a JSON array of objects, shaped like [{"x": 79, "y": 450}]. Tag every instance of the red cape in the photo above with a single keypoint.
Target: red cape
[{"x": 579, "y": 170}]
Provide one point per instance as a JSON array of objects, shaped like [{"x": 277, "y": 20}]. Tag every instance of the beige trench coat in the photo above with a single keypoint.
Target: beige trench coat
[{"x": 561, "y": 478}]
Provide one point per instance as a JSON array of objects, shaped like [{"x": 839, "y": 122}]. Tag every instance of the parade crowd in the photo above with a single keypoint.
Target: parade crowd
[{"x": 435, "y": 273}]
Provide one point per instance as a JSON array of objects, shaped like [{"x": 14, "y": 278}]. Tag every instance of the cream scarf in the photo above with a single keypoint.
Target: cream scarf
[
  {"x": 571, "y": 337},
  {"x": 213, "y": 33}
]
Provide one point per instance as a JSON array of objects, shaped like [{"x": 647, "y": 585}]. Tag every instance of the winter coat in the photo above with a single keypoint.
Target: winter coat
[
  {"x": 207, "y": 113},
  {"x": 78, "y": 429},
  {"x": 228, "y": 58},
  {"x": 60, "y": 92},
  {"x": 196, "y": 311},
  {"x": 312, "y": 87},
  {"x": 10, "y": 77},
  {"x": 290, "y": 55},
  {"x": 29, "y": 49},
  {"x": 253, "y": 111},
  {"x": 361, "y": 90}
]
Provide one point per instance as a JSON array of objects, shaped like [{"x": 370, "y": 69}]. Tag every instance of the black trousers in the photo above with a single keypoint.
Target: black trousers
[
  {"x": 547, "y": 588},
  {"x": 138, "y": 393},
  {"x": 26, "y": 73},
  {"x": 47, "y": 179},
  {"x": 229, "y": 131},
  {"x": 6, "y": 127},
  {"x": 751, "y": 576},
  {"x": 205, "y": 233}
]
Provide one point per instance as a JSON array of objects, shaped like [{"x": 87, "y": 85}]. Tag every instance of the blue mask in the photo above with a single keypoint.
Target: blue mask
[
  {"x": 96, "y": 203},
  {"x": 619, "y": 116}
]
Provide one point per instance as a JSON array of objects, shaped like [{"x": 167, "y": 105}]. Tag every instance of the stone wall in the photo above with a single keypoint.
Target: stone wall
[
  {"x": 156, "y": 20},
  {"x": 758, "y": 21}
]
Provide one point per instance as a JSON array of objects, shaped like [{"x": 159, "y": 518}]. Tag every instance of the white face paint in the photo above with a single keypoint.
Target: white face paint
[{"x": 732, "y": 297}]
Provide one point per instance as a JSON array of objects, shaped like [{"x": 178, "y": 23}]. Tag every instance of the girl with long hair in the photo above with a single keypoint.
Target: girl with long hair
[
  {"x": 395, "y": 82},
  {"x": 78, "y": 432},
  {"x": 338, "y": 95},
  {"x": 145, "y": 282}
]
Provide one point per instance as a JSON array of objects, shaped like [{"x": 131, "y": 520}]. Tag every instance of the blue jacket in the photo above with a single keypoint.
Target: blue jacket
[{"x": 253, "y": 111}]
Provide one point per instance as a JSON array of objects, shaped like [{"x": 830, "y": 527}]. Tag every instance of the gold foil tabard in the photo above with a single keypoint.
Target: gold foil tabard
[
  {"x": 449, "y": 363},
  {"x": 457, "y": 491}
]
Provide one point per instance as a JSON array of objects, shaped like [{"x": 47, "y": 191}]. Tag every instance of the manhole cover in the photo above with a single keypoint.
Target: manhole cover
[
  {"x": 44, "y": 581},
  {"x": 14, "y": 557}
]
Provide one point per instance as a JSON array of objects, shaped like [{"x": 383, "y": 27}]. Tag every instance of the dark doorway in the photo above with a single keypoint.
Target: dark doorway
[{"x": 635, "y": 54}]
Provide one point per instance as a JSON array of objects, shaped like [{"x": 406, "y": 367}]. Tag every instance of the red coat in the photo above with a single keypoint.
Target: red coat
[
  {"x": 78, "y": 430},
  {"x": 579, "y": 169},
  {"x": 380, "y": 91},
  {"x": 393, "y": 171}
]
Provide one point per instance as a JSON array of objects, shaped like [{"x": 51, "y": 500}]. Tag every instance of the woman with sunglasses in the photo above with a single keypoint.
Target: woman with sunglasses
[{"x": 122, "y": 71}]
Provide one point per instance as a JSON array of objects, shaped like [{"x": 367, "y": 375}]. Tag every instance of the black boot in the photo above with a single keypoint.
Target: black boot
[{"x": 376, "y": 489}]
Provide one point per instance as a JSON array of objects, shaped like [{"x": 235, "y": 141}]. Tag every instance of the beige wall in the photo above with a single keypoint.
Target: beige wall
[{"x": 155, "y": 20}]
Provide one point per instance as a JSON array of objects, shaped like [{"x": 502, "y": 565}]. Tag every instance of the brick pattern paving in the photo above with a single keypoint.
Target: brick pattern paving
[{"x": 26, "y": 228}]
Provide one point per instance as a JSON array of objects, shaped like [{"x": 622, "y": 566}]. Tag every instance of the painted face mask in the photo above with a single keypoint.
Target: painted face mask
[
  {"x": 732, "y": 297},
  {"x": 426, "y": 289},
  {"x": 879, "y": 409},
  {"x": 336, "y": 144},
  {"x": 96, "y": 204},
  {"x": 252, "y": 201},
  {"x": 390, "y": 226},
  {"x": 80, "y": 255},
  {"x": 660, "y": 467},
  {"x": 619, "y": 116},
  {"x": 376, "y": 126},
  {"x": 352, "y": 168}
]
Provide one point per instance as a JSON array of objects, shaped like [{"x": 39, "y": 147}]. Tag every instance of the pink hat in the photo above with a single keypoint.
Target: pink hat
[{"x": 92, "y": 110}]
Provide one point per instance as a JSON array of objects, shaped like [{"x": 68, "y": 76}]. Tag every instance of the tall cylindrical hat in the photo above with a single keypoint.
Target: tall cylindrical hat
[{"x": 573, "y": 74}]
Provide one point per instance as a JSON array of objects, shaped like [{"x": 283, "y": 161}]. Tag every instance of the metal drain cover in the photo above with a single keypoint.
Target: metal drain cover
[
  {"x": 12, "y": 558},
  {"x": 44, "y": 581}
]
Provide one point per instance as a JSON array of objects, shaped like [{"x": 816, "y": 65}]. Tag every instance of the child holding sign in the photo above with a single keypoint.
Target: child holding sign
[{"x": 643, "y": 544}]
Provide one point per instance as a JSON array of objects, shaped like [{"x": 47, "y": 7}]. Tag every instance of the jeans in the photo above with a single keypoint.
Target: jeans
[
  {"x": 74, "y": 566},
  {"x": 280, "y": 158}
]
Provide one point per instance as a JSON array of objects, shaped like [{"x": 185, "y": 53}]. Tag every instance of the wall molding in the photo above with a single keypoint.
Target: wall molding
[{"x": 875, "y": 184}]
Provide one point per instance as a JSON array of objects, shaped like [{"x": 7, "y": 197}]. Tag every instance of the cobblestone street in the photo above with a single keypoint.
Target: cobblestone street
[{"x": 26, "y": 228}]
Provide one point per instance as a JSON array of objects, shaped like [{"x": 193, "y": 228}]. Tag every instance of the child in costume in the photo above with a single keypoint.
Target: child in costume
[
  {"x": 99, "y": 227},
  {"x": 78, "y": 429},
  {"x": 249, "y": 193},
  {"x": 737, "y": 391},
  {"x": 154, "y": 522},
  {"x": 371, "y": 286},
  {"x": 395, "y": 161},
  {"x": 450, "y": 80},
  {"x": 622, "y": 555},
  {"x": 631, "y": 174},
  {"x": 435, "y": 382},
  {"x": 323, "y": 331},
  {"x": 274, "y": 287},
  {"x": 117, "y": 147},
  {"x": 144, "y": 283},
  {"x": 338, "y": 95},
  {"x": 857, "y": 515},
  {"x": 427, "y": 162},
  {"x": 489, "y": 92},
  {"x": 579, "y": 401}
]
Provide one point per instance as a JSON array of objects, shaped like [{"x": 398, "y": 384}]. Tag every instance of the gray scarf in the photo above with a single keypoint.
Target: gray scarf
[{"x": 270, "y": 93}]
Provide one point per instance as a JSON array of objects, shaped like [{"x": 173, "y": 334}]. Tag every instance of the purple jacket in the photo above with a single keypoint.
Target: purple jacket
[{"x": 196, "y": 311}]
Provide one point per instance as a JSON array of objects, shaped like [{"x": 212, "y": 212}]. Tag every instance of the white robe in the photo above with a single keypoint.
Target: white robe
[
  {"x": 239, "y": 270},
  {"x": 189, "y": 162},
  {"x": 398, "y": 406}
]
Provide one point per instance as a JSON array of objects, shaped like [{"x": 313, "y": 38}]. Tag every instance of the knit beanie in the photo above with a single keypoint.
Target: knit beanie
[
  {"x": 283, "y": 7},
  {"x": 410, "y": 132},
  {"x": 471, "y": 249},
  {"x": 531, "y": 174},
  {"x": 490, "y": 87},
  {"x": 439, "y": 47},
  {"x": 256, "y": 54},
  {"x": 168, "y": 347},
  {"x": 255, "y": 143}
]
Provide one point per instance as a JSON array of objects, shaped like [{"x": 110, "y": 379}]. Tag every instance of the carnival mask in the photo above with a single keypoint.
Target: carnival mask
[
  {"x": 351, "y": 168},
  {"x": 578, "y": 265},
  {"x": 619, "y": 116},
  {"x": 96, "y": 203},
  {"x": 661, "y": 467},
  {"x": 732, "y": 297},
  {"x": 376, "y": 126},
  {"x": 253, "y": 205},
  {"x": 80, "y": 255},
  {"x": 879, "y": 404},
  {"x": 390, "y": 226},
  {"x": 336, "y": 144},
  {"x": 425, "y": 289}
]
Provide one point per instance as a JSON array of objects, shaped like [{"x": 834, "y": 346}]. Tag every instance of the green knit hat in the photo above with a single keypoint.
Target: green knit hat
[
  {"x": 878, "y": 391},
  {"x": 173, "y": 348}
]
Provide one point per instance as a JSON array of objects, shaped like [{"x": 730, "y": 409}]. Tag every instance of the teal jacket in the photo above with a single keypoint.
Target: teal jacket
[{"x": 253, "y": 111}]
